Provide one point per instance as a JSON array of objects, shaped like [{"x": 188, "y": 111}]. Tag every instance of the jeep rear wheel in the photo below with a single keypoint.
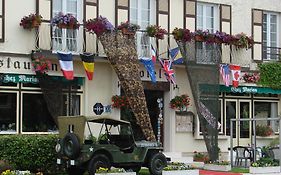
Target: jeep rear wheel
[
  {"x": 71, "y": 146},
  {"x": 136, "y": 168},
  {"x": 96, "y": 162},
  {"x": 157, "y": 163}
]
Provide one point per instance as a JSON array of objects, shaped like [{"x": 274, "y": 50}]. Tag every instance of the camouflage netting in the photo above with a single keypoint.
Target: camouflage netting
[
  {"x": 122, "y": 54},
  {"x": 202, "y": 64}
]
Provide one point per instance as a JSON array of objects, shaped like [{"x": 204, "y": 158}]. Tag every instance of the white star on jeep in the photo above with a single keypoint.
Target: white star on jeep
[{"x": 91, "y": 149}]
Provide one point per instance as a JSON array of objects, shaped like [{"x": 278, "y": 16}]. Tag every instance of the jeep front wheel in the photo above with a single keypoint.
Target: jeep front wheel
[
  {"x": 157, "y": 163},
  {"x": 96, "y": 162}
]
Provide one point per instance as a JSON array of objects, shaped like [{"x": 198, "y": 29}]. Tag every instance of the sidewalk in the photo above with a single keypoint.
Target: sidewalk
[{"x": 207, "y": 172}]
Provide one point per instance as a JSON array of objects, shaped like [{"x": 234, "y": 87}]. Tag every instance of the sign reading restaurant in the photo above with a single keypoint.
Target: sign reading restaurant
[{"x": 23, "y": 65}]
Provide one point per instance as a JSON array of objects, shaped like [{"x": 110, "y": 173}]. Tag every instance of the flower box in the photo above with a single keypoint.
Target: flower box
[
  {"x": 181, "y": 172},
  {"x": 264, "y": 170},
  {"x": 215, "y": 167},
  {"x": 127, "y": 173}
]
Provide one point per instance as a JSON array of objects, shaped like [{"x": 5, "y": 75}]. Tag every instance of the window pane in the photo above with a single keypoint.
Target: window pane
[
  {"x": 145, "y": 4},
  {"x": 57, "y": 7},
  {"x": 273, "y": 19},
  {"x": 200, "y": 10},
  {"x": 230, "y": 114},
  {"x": 267, "y": 110},
  {"x": 36, "y": 117},
  {"x": 210, "y": 11},
  {"x": 71, "y": 7},
  {"x": 8, "y": 108}
]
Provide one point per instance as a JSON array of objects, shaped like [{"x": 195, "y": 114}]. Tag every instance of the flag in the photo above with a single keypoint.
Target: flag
[
  {"x": 235, "y": 71},
  {"x": 169, "y": 72},
  {"x": 176, "y": 55},
  {"x": 153, "y": 54},
  {"x": 149, "y": 66},
  {"x": 89, "y": 64},
  {"x": 225, "y": 73},
  {"x": 66, "y": 65}
]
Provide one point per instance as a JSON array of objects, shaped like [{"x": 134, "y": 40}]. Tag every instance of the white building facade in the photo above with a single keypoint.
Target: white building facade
[{"x": 22, "y": 106}]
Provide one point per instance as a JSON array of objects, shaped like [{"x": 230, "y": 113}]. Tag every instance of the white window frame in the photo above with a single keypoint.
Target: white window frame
[
  {"x": 268, "y": 39},
  {"x": 146, "y": 47},
  {"x": 216, "y": 16},
  {"x": 79, "y": 33}
]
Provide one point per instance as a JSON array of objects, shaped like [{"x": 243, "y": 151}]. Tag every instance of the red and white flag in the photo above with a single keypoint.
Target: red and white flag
[
  {"x": 66, "y": 65},
  {"x": 236, "y": 72},
  {"x": 153, "y": 54}
]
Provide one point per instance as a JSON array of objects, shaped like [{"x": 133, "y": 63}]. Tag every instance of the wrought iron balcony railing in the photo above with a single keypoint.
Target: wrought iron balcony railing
[{"x": 271, "y": 53}]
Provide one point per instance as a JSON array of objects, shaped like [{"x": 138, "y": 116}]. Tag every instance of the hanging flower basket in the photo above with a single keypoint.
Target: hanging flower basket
[
  {"x": 128, "y": 28},
  {"x": 98, "y": 26},
  {"x": 181, "y": 102},
  {"x": 40, "y": 63},
  {"x": 31, "y": 21},
  {"x": 251, "y": 77},
  {"x": 156, "y": 31},
  {"x": 67, "y": 21}
]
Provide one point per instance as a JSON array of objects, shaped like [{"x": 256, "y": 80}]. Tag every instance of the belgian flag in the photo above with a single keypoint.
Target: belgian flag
[{"x": 89, "y": 64}]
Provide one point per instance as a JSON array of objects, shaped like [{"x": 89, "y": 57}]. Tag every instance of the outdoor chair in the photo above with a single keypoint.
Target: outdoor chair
[{"x": 242, "y": 154}]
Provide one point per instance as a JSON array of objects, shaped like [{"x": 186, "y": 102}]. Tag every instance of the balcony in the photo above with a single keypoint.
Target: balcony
[
  {"x": 271, "y": 53},
  {"x": 67, "y": 40}
]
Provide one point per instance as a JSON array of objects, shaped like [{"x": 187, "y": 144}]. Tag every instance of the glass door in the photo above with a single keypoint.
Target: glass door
[{"x": 238, "y": 109}]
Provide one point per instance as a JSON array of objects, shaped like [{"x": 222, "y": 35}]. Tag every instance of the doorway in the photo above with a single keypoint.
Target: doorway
[
  {"x": 239, "y": 109},
  {"x": 153, "y": 108}
]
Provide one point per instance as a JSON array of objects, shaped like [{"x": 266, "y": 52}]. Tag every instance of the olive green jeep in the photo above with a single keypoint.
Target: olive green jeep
[{"x": 114, "y": 146}]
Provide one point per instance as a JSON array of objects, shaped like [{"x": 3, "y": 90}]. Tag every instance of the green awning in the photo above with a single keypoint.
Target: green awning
[
  {"x": 249, "y": 90},
  {"x": 25, "y": 78}
]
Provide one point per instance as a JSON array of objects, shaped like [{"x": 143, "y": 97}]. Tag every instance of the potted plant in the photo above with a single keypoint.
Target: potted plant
[
  {"x": 200, "y": 157},
  {"x": 98, "y": 25},
  {"x": 41, "y": 64},
  {"x": 218, "y": 166},
  {"x": 128, "y": 28},
  {"x": 263, "y": 130},
  {"x": 176, "y": 168},
  {"x": 65, "y": 21},
  {"x": 155, "y": 31},
  {"x": 183, "y": 35},
  {"x": 181, "y": 102},
  {"x": 251, "y": 77},
  {"x": 265, "y": 165},
  {"x": 31, "y": 21},
  {"x": 243, "y": 41},
  {"x": 120, "y": 102}
]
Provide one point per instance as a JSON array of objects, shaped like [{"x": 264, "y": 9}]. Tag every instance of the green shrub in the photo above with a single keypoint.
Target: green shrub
[
  {"x": 4, "y": 165},
  {"x": 29, "y": 152}
]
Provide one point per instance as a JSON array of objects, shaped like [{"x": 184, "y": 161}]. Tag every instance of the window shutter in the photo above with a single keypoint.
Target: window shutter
[
  {"x": 91, "y": 11},
  {"x": 2, "y": 20},
  {"x": 190, "y": 14},
  {"x": 162, "y": 19},
  {"x": 44, "y": 8},
  {"x": 225, "y": 26},
  {"x": 122, "y": 11},
  {"x": 257, "y": 20}
]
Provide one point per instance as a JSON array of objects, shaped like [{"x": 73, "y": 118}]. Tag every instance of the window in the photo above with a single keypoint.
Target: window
[
  {"x": 2, "y": 20},
  {"x": 270, "y": 36},
  {"x": 8, "y": 112},
  {"x": 267, "y": 110},
  {"x": 141, "y": 13},
  {"x": 207, "y": 19},
  {"x": 24, "y": 110},
  {"x": 67, "y": 40},
  {"x": 36, "y": 117}
]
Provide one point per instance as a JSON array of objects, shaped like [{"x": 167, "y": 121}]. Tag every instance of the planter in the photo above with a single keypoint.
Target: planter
[
  {"x": 217, "y": 167},
  {"x": 127, "y": 173},
  {"x": 181, "y": 172},
  {"x": 264, "y": 170}
]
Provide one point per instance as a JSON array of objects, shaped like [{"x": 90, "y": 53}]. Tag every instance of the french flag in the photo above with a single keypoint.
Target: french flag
[{"x": 66, "y": 65}]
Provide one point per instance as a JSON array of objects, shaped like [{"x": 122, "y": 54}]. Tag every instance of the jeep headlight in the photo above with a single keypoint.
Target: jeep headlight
[{"x": 58, "y": 148}]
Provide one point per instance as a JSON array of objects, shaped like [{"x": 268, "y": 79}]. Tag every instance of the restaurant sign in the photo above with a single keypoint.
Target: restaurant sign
[{"x": 15, "y": 78}]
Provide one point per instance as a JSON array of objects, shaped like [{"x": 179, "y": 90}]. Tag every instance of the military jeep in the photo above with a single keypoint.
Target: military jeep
[{"x": 114, "y": 147}]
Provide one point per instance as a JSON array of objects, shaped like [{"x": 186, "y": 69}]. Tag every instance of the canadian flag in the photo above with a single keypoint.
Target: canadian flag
[{"x": 235, "y": 71}]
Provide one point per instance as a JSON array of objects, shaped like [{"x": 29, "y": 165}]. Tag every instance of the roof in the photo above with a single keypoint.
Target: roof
[{"x": 99, "y": 119}]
